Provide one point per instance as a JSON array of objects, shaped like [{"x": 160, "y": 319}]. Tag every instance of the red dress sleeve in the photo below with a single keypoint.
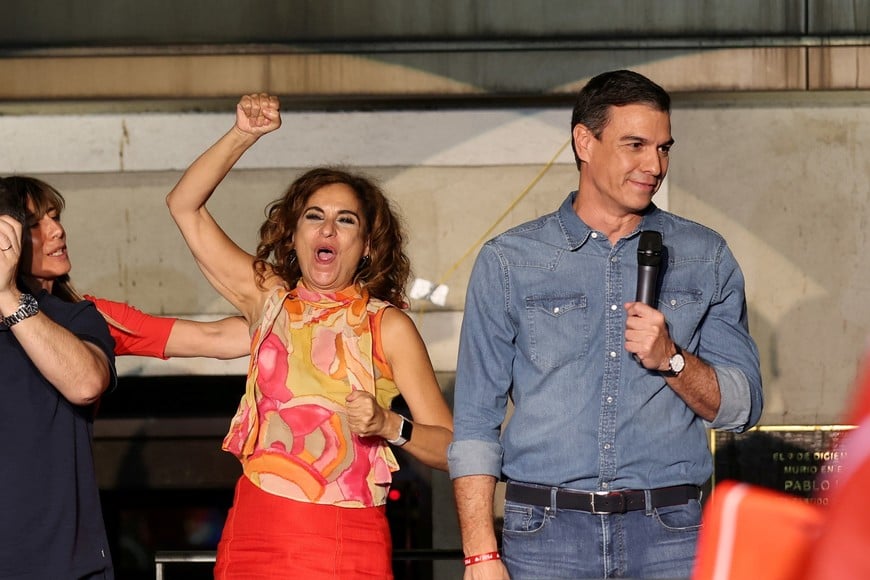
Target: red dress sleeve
[{"x": 135, "y": 332}]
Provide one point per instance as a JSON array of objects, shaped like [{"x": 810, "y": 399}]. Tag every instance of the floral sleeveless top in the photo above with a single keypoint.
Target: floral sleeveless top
[{"x": 290, "y": 432}]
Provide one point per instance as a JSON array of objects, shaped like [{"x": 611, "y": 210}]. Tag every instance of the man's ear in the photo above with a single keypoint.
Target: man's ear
[{"x": 582, "y": 139}]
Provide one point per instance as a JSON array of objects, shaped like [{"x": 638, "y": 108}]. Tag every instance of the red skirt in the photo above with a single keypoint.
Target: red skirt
[{"x": 271, "y": 537}]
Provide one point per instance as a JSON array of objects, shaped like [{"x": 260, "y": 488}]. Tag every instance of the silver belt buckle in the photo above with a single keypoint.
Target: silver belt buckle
[{"x": 611, "y": 494}]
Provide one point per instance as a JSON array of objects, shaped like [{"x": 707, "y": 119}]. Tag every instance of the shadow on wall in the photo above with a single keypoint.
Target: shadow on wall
[{"x": 807, "y": 361}]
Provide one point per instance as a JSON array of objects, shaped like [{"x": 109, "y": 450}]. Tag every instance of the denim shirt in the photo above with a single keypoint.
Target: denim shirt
[{"x": 544, "y": 325}]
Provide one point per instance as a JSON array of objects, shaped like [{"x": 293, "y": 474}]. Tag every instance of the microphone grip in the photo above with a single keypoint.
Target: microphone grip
[{"x": 647, "y": 280}]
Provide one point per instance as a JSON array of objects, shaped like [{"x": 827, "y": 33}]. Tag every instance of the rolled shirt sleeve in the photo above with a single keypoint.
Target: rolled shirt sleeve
[
  {"x": 727, "y": 346},
  {"x": 483, "y": 374}
]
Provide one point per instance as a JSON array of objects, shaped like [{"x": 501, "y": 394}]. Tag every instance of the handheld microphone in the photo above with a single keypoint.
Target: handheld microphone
[{"x": 649, "y": 258}]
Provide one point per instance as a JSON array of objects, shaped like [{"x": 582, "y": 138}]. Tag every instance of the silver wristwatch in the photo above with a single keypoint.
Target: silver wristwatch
[
  {"x": 27, "y": 307},
  {"x": 676, "y": 363}
]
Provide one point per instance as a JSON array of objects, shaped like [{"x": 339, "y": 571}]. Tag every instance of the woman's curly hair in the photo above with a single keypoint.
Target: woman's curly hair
[{"x": 384, "y": 274}]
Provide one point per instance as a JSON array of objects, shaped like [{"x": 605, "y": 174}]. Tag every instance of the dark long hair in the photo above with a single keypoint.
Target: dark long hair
[
  {"x": 383, "y": 275},
  {"x": 44, "y": 199}
]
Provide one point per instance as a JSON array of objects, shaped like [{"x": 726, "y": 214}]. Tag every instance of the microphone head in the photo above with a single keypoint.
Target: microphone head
[{"x": 649, "y": 248}]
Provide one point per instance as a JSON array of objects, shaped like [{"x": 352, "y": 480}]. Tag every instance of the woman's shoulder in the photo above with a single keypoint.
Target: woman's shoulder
[
  {"x": 270, "y": 280},
  {"x": 396, "y": 326},
  {"x": 271, "y": 300},
  {"x": 376, "y": 305}
]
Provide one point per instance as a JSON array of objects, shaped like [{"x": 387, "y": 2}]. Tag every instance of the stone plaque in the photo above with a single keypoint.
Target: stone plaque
[{"x": 801, "y": 461}]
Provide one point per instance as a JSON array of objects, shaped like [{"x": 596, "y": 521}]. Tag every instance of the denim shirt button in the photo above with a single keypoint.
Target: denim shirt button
[
  {"x": 612, "y": 354},
  {"x": 613, "y": 306}
]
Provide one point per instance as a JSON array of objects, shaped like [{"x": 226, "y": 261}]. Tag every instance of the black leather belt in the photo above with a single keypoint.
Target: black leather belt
[{"x": 614, "y": 502}]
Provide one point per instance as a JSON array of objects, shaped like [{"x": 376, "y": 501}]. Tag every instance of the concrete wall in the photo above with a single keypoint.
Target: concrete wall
[
  {"x": 458, "y": 107},
  {"x": 368, "y": 50},
  {"x": 451, "y": 175},
  {"x": 783, "y": 179},
  {"x": 53, "y": 23},
  {"x": 787, "y": 183}
]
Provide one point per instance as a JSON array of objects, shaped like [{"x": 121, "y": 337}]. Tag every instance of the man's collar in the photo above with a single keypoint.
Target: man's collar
[{"x": 576, "y": 231}]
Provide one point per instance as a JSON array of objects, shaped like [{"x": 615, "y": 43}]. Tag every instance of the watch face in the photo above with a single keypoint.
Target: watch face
[
  {"x": 407, "y": 429},
  {"x": 27, "y": 307},
  {"x": 677, "y": 363}
]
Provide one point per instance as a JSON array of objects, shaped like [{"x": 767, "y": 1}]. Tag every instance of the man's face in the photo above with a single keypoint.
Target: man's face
[{"x": 626, "y": 165}]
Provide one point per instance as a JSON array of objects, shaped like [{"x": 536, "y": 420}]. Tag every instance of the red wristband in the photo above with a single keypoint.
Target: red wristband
[{"x": 482, "y": 558}]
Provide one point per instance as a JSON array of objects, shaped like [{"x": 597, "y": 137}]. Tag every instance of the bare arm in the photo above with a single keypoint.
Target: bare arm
[
  {"x": 412, "y": 371},
  {"x": 697, "y": 385},
  {"x": 474, "y": 507},
  {"x": 77, "y": 369},
  {"x": 222, "y": 339},
  {"x": 647, "y": 337},
  {"x": 226, "y": 266},
  {"x": 141, "y": 334}
]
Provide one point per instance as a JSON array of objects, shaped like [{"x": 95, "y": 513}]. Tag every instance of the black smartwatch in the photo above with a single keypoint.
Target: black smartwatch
[{"x": 405, "y": 430}]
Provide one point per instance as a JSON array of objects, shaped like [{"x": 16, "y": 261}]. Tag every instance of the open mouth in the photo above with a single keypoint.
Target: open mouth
[{"x": 325, "y": 254}]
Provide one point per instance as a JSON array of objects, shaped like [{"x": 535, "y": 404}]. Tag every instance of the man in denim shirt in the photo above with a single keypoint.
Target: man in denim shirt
[{"x": 606, "y": 449}]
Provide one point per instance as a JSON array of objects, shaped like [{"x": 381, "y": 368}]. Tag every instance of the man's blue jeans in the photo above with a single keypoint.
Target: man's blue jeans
[{"x": 545, "y": 543}]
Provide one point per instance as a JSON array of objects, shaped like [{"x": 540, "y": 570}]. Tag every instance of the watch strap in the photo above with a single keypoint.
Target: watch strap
[
  {"x": 406, "y": 427},
  {"x": 27, "y": 307}
]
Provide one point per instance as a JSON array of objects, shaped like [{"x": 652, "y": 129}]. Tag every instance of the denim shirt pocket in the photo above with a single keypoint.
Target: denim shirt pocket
[
  {"x": 558, "y": 329},
  {"x": 683, "y": 310}
]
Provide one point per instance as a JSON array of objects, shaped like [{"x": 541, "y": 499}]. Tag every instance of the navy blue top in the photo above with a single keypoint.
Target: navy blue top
[{"x": 51, "y": 522}]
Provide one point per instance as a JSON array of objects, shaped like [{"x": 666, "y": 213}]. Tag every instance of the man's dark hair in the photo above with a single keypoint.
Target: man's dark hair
[{"x": 614, "y": 89}]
